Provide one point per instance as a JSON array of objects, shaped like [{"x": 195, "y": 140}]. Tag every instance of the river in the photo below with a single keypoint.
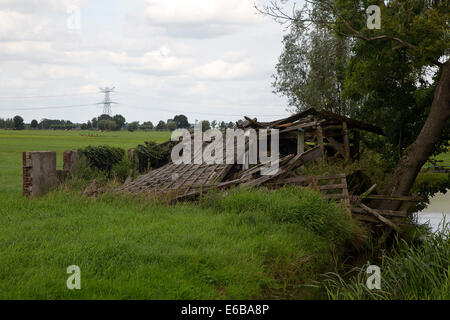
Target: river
[{"x": 438, "y": 208}]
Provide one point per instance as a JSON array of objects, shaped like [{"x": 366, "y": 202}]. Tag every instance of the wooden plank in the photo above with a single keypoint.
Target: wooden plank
[
  {"x": 334, "y": 196},
  {"x": 300, "y": 141},
  {"x": 299, "y": 126},
  {"x": 331, "y": 186},
  {"x": 391, "y": 213},
  {"x": 346, "y": 141},
  {"x": 320, "y": 140},
  {"x": 380, "y": 217},
  {"x": 392, "y": 198},
  {"x": 310, "y": 178},
  {"x": 298, "y": 160},
  {"x": 336, "y": 146}
]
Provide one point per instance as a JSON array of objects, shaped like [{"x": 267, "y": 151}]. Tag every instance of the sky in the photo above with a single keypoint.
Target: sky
[{"x": 207, "y": 59}]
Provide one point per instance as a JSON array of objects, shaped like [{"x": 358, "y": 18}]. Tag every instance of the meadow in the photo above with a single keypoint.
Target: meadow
[
  {"x": 13, "y": 143},
  {"x": 254, "y": 244}
]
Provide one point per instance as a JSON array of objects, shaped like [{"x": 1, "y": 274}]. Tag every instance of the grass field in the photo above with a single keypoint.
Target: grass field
[
  {"x": 247, "y": 245},
  {"x": 13, "y": 143}
]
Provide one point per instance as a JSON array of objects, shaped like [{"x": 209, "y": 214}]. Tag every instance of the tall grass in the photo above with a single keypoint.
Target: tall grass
[
  {"x": 258, "y": 244},
  {"x": 408, "y": 272}
]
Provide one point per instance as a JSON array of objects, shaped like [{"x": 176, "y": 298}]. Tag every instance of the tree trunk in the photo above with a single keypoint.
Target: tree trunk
[{"x": 415, "y": 156}]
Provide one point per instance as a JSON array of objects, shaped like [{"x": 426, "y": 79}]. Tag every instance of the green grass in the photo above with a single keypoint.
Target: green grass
[
  {"x": 243, "y": 246},
  {"x": 131, "y": 249},
  {"x": 13, "y": 143},
  {"x": 410, "y": 272}
]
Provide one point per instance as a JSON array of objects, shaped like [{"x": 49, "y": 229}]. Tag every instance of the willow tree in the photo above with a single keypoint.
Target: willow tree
[{"x": 408, "y": 55}]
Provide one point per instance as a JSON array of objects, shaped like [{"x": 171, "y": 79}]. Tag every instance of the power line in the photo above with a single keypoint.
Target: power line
[
  {"x": 52, "y": 107},
  {"x": 211, "y": 114},
  {"x": 49, "y": 96}
]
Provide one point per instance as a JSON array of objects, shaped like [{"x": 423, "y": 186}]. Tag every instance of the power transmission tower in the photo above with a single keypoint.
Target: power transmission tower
[{"x": 107, "y": 100}]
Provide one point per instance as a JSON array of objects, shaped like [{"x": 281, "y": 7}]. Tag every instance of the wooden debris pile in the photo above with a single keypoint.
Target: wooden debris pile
[{"x": 304, "y": 137}]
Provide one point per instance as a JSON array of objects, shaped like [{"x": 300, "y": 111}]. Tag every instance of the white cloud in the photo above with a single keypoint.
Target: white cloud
[
  {"x": 135, "y": 50},
  {"x": 156, "y": 61},
  {"x": 194, "y": 12},
  {"x": 222, "y": 70},
  {"x": 201, "y": 18}
]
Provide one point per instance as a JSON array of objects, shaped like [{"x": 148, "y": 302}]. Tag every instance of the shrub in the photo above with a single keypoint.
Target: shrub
[{"x": 103, "y": 158}]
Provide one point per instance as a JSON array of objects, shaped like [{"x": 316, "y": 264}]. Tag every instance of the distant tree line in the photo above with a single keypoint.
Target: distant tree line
[{"x": 108, "y": 123}]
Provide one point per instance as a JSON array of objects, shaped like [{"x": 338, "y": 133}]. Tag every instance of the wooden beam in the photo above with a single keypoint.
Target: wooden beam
[
  {"x": 380, "y": 217},
  {"x": 320, "y": 140},
  {"x": 336, "y": 146},
  {"x": 346, "y": 141},
  {"x": 392, "y": 198},
  {"x": 356, "y": 143},
  {"x": 300, "y": 141}
]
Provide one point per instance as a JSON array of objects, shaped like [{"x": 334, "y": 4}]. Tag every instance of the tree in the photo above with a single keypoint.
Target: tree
[
  {"x": 222, "y": 125},
  {"x": 161, "y": 126},
  {"x": 19, "y": 123},
  {"x": 414, "y": 39},
  {"x": 311, "y": 70},
  {"x": 214, "y": 124},
  {"x": 133, "y": 126},
  {"x": 181, "y": 121},
  {"x": 171, "y": 125},
  {"x": 34, "y": 124},
  {"x": 107, "y": 125},
  {"x": 119, "y": 120},
  {"x": 148, "y": 125},
  {"x": 94, "y": 123},
  {"x": 104, "y": 117},
  {"x": 205, "y": 125}
]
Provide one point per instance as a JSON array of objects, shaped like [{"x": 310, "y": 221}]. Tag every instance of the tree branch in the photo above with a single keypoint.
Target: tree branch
[{"x": 275, "y": 11}]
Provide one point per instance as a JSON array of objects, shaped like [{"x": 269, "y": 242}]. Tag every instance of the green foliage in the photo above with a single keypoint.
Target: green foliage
[
  {"x": 409, "y": 272},
  {"x": 19, "y": 123},
  {"x": 130, "y": 248},
  {"x": 153, "y": 155},
  {"x": 428, "y": 184},
  {"x": 171, "y": 125},
  {"x": 290, "y": 205},
  {"x": 133, "y": 126},
  {"x": 181, "y": 121},
  {"x": 311, "y": 69},
  {"x": 107, "y": 125},
  {"x": 386, "y": 82},
  {"x": 103, "y": 158},
  {"x": 119, "y": 120},
  {"x": 161, "y": 126},
  {"x": 395, "y": 84},
  {"x": 148, "y": 125},
  {"x": 205, "y": 125}
]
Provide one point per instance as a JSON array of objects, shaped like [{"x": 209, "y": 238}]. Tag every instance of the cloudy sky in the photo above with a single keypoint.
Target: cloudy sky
[{"x": 208, "y": 59}]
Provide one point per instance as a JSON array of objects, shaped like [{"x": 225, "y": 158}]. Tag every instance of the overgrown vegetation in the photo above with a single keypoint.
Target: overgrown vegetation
[
  {"x": 105, "y": 158},
  {"x": 153, "y": 155},
  {"x": 241, "y": 247},
  {"x": 410, "y": 271}
]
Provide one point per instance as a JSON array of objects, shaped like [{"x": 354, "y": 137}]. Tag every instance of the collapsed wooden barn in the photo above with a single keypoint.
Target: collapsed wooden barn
[
  {"x": 304, "y": 137},
  {"x": 311, "y": 135}
]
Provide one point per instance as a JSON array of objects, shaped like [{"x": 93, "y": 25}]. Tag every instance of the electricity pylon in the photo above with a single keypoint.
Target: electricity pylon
[{"x": 107, "y": 101}]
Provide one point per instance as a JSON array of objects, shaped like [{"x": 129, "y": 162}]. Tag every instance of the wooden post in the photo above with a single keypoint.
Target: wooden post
[
  {"x": 320, "y": 140},
  {"x": 356, "y": 142},
  {"x": 300, "y": 141},
  {"x": 346, "y": 141}
]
